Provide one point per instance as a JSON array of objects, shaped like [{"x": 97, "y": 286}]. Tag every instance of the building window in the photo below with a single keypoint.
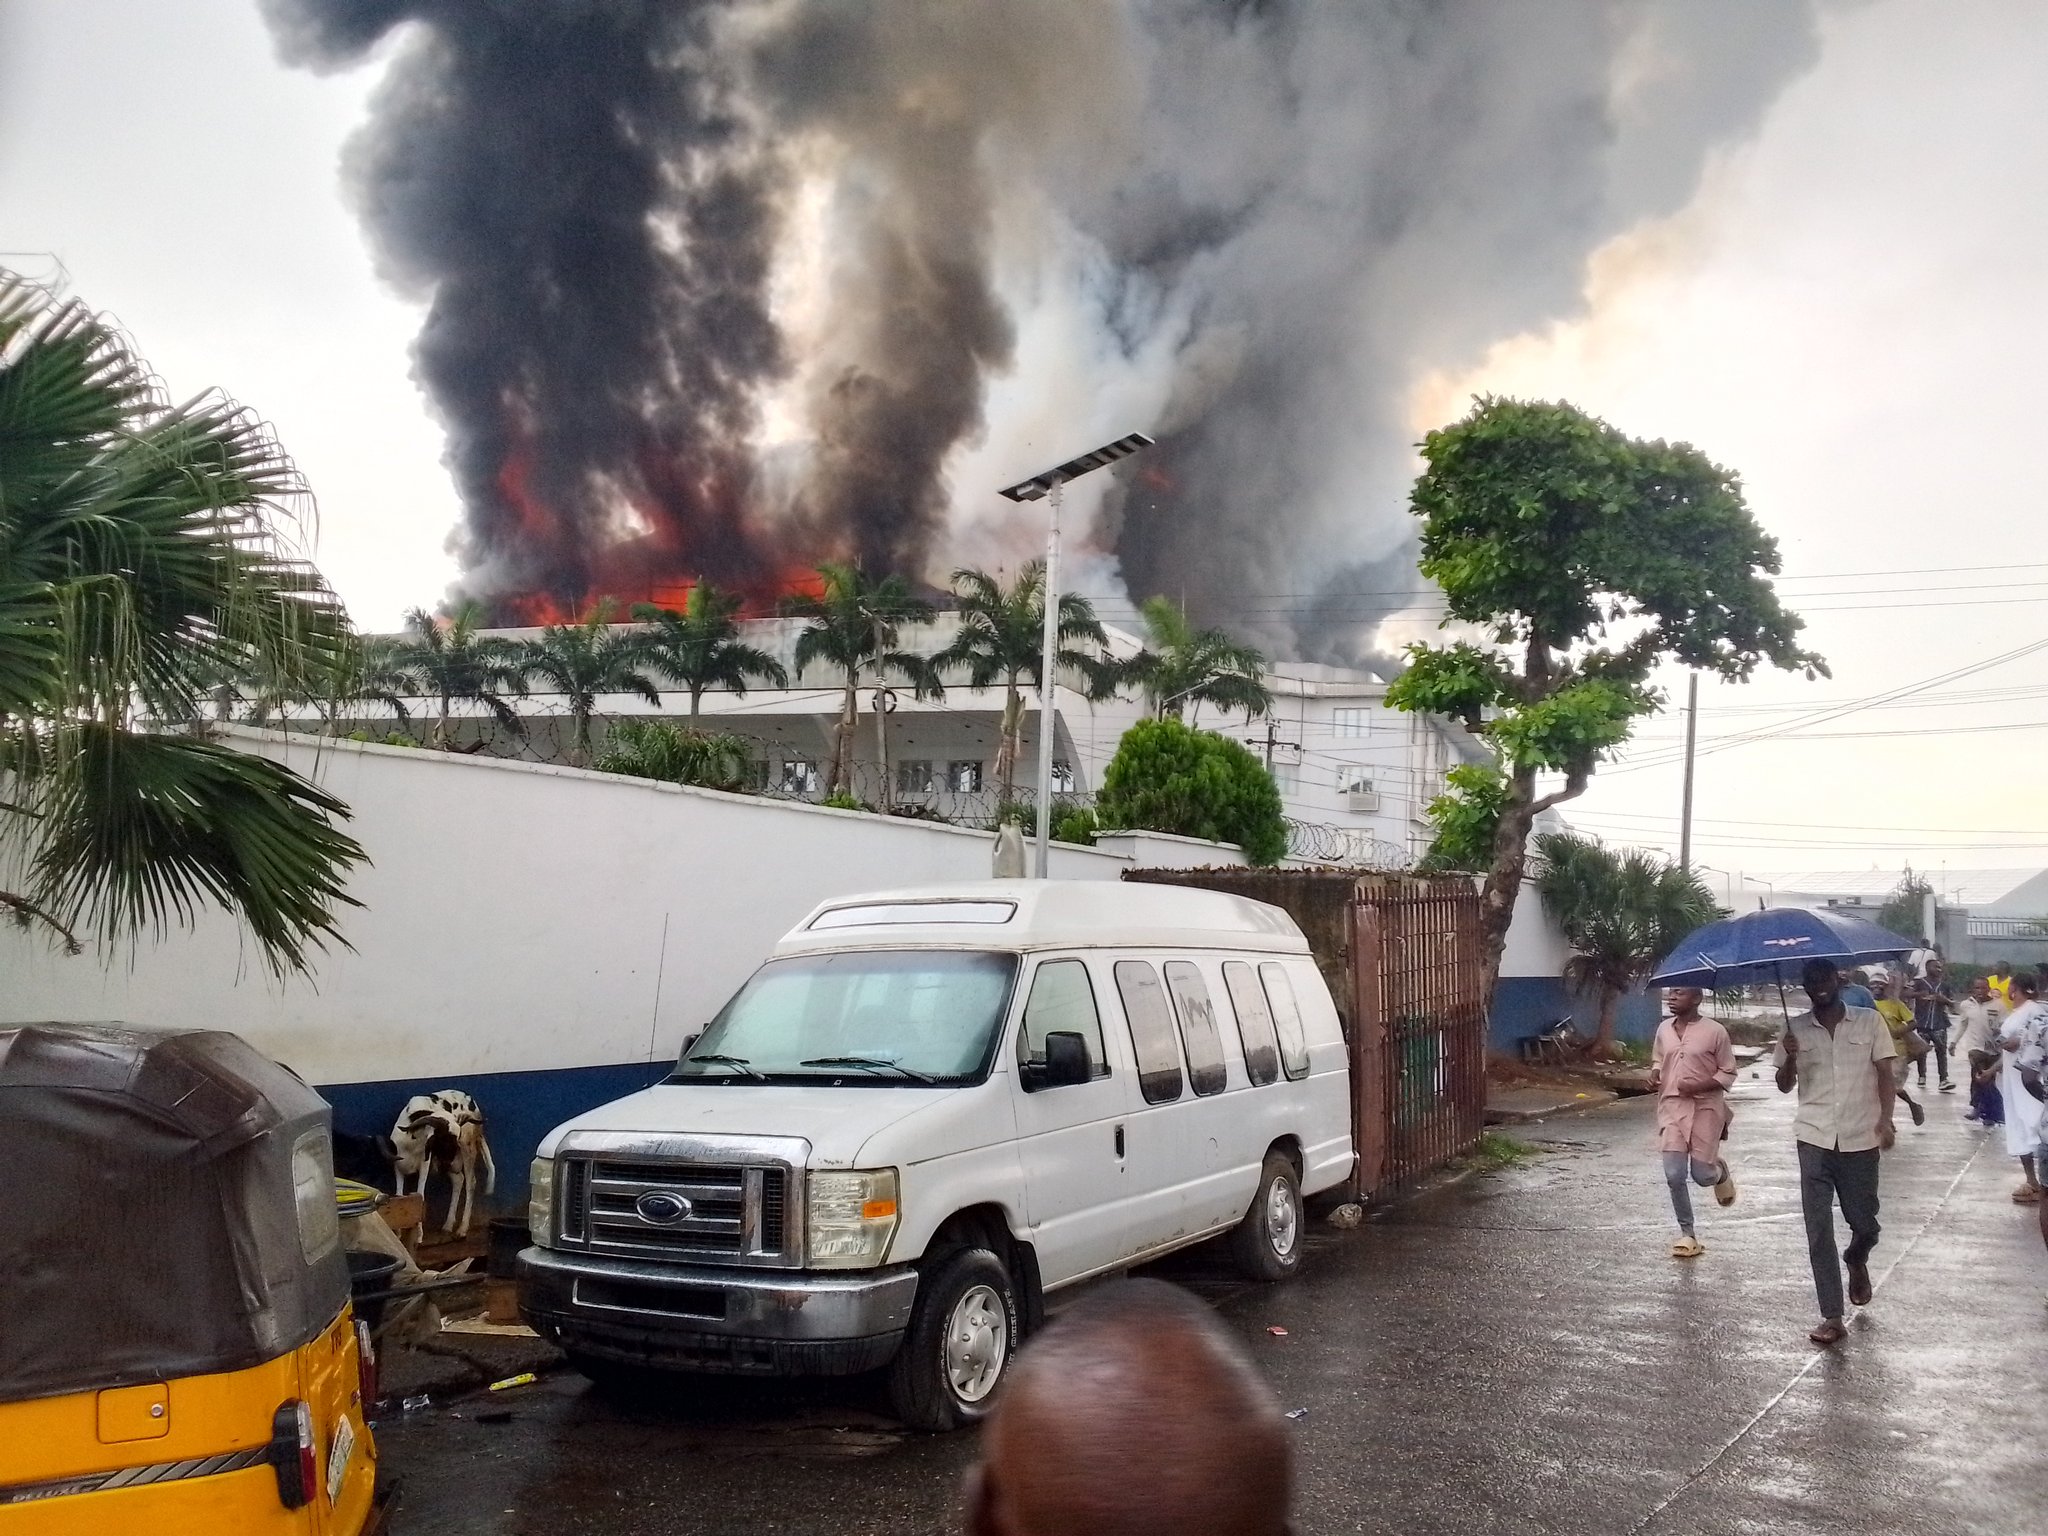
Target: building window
[
  {"x": 755, "y": 775},
  {"x": 914, "y": 777},
  {"x": 1351, "y": 722},
  {"x": 799, "y": 776},
  {"x": 964, "y": 778},
  {"x": 1352, "y": 779},
  {"x": 1062, "y": 776}
]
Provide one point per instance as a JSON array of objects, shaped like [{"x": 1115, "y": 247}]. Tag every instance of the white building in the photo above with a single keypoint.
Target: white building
[{"x": 1354, "y": 776}]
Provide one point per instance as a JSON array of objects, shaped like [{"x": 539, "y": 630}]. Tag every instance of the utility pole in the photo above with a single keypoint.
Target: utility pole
[
  {"x": 1692, "y": 721},
  {"x": 1272, "y": 731}
]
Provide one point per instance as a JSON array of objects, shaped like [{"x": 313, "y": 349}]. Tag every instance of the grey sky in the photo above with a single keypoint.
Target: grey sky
[{"x": 1851, "y": 314}]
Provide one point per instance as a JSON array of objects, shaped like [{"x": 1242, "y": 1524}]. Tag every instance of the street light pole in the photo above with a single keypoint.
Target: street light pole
[
  {"x": 1052, "y": 484},
  {"x": 1047, "y": 681}
]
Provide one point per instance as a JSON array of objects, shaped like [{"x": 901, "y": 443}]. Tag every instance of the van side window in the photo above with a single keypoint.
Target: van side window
[
  {"x": 1062, "y": 998},
  {"x": 1151, "y": 1031},
  {"x": 1287, "y": 1019},
  {"x": 1206, "y": 1073},
  {"x": 1254, "y": 1023}
]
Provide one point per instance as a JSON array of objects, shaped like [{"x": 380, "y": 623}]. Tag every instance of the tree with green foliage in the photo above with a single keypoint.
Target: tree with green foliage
[
  {"x": 1002, "y": 640},
  {"x": 586, "y": 660},
  {"x": 1465, "y": 817},
  {"x": 699, "y": 647},
  {"x": 1905, "y": 910},
  {"x": 1170, "y": 777},
  {"x": 856, "y": 623},
  {"x": 676, "y": 754},
  {"x": 1585, "y": 558},
  {"x": 1621, "y": 910},
  {"x": 451, "y": 660},
  {"x": 1182, "y": 667},
  {"x": 145, "y": 555}
]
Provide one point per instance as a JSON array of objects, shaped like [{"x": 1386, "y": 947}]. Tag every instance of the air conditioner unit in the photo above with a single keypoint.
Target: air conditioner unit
[{"x": 1364, "y": 801}]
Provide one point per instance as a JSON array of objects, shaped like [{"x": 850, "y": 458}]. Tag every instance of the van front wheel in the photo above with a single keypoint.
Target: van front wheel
[
  {"x": 957, "y": 1350},
  {"x": 1267, "y": 1244}
]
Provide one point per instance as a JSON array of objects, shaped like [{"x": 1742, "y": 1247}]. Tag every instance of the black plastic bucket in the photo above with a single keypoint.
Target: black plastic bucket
[
  {"x": 371, "y": 1274},
  {"x": 508, "y": 1236}
]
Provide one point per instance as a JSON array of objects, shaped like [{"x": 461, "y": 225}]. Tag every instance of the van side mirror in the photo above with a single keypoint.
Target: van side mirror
[
  {"x": 688, "y": 1041},
  {"x": 1066, "y": 1059}
]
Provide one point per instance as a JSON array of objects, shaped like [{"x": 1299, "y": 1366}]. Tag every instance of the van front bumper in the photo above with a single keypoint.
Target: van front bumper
[{"x": 700, "y": 1318}]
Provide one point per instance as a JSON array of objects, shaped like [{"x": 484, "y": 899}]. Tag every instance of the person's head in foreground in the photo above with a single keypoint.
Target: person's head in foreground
[{"x": 1133, "y": 1413}]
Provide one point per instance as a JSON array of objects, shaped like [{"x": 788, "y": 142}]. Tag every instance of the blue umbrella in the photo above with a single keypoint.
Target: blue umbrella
[{"x": 1757, "y": 946}]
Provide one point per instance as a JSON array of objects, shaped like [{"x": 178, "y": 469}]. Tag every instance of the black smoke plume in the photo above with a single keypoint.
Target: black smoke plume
[{"x": 1272, "y": 216}]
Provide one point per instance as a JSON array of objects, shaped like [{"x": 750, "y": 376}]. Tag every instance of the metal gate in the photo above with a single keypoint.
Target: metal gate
[{"x": 1418, "y": 1027}]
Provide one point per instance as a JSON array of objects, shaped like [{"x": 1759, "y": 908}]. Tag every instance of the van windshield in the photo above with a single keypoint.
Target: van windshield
[{"x": 890, "y": 1018}]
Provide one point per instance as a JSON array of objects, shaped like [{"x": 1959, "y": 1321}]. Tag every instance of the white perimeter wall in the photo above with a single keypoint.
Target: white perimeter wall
[
  {"x": 516, "y": 917},
  {"x": 519, "y": 917}
]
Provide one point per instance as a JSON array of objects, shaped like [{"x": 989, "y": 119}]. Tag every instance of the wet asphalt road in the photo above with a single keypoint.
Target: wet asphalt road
[{"x": 1514, "y": 1352}]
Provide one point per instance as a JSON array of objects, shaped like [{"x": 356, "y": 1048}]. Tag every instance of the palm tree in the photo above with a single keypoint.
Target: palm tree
[
  {"x": 855, "y": 624},
  {"x": 1621, "y": 912},
  {"x": 451, "y": 661},
  {"x": 145, "y": 553},
  {"x": 1183, "y": 665},
  {"x": 375, "y": 672},
  {"x": 582, "y": 661},
  {"x": 700, "y": 648},
  {"x": 1002, "y": 639}
]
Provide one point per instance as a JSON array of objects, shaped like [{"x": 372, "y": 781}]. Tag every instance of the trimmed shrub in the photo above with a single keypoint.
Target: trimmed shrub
[{"x": 1168, "y": 777}]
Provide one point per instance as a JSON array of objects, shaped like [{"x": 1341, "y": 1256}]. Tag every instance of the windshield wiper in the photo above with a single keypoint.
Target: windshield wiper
[
  {"x": 872, "y": 1063},
  {"x": 746, "y": 1067}
]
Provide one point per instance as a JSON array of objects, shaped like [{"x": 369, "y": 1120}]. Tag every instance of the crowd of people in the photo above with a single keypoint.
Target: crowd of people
[{"x": 1855, "y": 1054}]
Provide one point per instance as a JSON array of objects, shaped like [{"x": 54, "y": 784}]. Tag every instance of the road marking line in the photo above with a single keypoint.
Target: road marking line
[{"x": 1819, "y": 1354}]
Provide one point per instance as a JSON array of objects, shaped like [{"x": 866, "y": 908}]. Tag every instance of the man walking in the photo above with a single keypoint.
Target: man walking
[
  {"x": 1692, "y": 1068},
  {"x": 1840, "y": 1059},
  {"x": 1933, "y": 1001}
]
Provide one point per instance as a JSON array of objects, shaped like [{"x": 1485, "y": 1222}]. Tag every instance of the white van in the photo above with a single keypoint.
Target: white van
[{"x": 931, "y": 1107}]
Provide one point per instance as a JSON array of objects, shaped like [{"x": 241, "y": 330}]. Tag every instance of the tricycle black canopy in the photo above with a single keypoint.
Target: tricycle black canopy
[{"x": 167, "y": 1208}]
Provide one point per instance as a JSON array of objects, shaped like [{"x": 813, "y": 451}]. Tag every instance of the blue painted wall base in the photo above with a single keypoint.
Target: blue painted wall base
[
  {"x": 1527, "y": 1005},
  {"x": 519, "y": 1109}
]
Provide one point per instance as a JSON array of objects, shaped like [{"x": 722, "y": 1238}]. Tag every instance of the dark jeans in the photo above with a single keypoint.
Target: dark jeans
[
  {"x": 1939, "y": 1043},
  {"x": 1825, "y": 1176}
]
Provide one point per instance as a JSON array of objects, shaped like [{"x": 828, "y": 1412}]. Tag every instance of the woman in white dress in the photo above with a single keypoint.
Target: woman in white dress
[{"x": 2022, "y": 1109}]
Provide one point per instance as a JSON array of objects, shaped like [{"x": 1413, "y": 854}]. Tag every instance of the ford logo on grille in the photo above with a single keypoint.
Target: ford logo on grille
[{"x": 661, "y": 1209}]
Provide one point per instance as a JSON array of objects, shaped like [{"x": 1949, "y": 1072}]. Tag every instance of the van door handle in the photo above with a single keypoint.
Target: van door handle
[{"x": 1119, "y": 1141}]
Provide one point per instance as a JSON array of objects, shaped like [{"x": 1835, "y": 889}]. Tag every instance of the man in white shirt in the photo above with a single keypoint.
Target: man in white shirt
[{"x": 1841, "y": 1060}]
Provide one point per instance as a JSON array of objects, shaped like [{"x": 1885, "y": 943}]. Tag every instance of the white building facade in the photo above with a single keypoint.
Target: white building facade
[{"x": 1354, "y": 775}]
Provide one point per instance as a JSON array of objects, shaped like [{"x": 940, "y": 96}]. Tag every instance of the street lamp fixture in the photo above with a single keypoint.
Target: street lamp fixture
[{"x": 1050, "y": 485}]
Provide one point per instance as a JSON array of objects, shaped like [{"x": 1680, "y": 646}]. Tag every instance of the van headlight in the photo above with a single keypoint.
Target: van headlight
[
  {"x": 849, "y": 1218},
  {"x": 540, "y": 1203}
]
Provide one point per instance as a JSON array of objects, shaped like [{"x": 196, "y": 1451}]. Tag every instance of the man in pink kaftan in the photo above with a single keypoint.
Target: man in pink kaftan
[{"x": 1692, "y": 1068}]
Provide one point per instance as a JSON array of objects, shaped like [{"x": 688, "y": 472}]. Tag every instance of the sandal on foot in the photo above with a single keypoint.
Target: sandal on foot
[
  {"x": 2026, "y": 1194},
  {"x": 1829, "y": 1332},
  {"x": 1724, "y": 1190},
  {"x": 1688, "y": 1248}
]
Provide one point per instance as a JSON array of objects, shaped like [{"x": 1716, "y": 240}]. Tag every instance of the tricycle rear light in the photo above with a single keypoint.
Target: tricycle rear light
[
  {"x": 366, "y": 1366},
  {"x": 292, "y": 1454}
]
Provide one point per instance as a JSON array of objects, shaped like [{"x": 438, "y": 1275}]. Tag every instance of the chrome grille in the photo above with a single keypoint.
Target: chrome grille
[
  {"x": 575, "y": 1198},
  {"x": 737, "y": 1213}
]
